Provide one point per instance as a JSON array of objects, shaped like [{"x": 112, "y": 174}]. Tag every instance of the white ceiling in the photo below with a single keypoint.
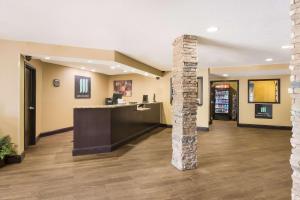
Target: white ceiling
[
  {"x": 100, "y": 66},
  {"x": 274, "y": 72},
  {"x": 249, "y": 30}
]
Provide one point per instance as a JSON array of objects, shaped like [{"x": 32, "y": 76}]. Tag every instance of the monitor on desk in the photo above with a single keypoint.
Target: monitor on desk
[
  {"x": 145, "y": 99},
  {"x": 115, "y": 98}
]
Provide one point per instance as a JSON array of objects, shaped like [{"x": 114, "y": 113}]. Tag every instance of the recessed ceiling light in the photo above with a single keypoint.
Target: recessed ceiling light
[
  {"x": 287, "y": 47},
  {"x": 225, "y": 75},
  {"x": 125, "y": 71},
  {"x": 112, "y": 67},
  {"x": 82, "y": 67},
  {"x": 47, "y": 58},
  {"x": 212, "y": 29},
  {"x": 89, "y": 61},
  {"x": 146, "y": 74},
  {"x": 93, "y": 70},
  {"x": 269, "y": 59}
]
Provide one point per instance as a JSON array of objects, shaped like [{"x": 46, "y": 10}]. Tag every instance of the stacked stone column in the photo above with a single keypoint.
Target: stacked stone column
[
  {"x": 184, "y": 82},
  {"x": 295, "y": 93}
]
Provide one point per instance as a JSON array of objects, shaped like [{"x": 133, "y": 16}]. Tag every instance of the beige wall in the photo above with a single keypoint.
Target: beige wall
[
  {"x": 12, "y": 80},
  {"x": 58, "y": 102},
  {"x": 281, "y": 112},
  {"x": 145, "y": 85},
  {"x": 203, "y": 111},
  {"x": 11, "y": 87},
  {"x": 12, "y": 98}
]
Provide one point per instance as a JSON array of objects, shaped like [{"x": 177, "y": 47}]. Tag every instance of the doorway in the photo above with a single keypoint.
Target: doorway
[
  {"x": 224, "y": 100},
  {"x": 29, "y": 105}
]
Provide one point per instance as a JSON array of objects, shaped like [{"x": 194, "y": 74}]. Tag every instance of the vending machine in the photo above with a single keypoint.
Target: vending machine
[{"x": 223, "y": 103}]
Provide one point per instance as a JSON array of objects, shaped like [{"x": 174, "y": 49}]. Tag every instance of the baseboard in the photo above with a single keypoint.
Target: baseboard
[
  {"x": 198, "y": 128},
  {"x": 110, "y": 148},
  {"x": 202, "y": 128},
  {"x": 58, "y": 131},
  {"x": 15, "y": 159},
  {"x": 166, "y": 125},
  {"x": 264, "y": 126}
]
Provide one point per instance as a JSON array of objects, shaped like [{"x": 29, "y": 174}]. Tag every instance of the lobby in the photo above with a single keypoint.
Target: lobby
[{"x": 160, "y": 100}]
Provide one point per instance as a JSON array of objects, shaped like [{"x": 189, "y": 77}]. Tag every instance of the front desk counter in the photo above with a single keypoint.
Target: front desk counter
[{"x": 101, "y": 129}]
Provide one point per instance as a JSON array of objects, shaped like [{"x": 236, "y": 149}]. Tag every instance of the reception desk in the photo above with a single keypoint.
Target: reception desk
[{"x": 104, "y": 128}]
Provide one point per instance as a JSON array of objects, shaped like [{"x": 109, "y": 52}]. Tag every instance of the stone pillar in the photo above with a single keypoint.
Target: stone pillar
[
  {"x": 295, "y": 93},
  {"x": 184, "y": 81}
]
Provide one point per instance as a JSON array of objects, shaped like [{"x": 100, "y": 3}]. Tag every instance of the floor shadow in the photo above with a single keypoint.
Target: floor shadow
[{"x": 121, "y": 150}]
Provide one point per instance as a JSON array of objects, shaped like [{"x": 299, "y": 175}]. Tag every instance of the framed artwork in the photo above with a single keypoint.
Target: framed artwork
[
  {"x": 264, "y": 111},
  {"x": 264, "y": 91},
  {"x": 200, "y": 91},
  {"x": 82, "y": 87},
  {"x": 123, "y": 87},
  {"x": 171, "y": 91}
]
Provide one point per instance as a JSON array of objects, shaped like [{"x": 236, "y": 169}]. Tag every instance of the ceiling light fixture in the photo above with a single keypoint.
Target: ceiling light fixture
[
  {"x": 212, "y": 29},
  {"x": 112, "y": 67},
  {"x": 225, "y": 75},
  {"x": 146, "y": 74},
  {"x": 269, "y": 59},
  {"x": 286, "y": 46},
  {"x": 125, "y": 71},
  {"x": 47, "y": 58}
]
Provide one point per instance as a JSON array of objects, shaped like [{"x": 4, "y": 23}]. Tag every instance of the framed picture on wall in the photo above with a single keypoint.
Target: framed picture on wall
[
  {"x": 171, "y": 91},
  {"x": 264, "y": 111},
  {"x": 82, "y": 87},
  {"x": 200, "y": 90},
  {"x": 123, "y": 87}
]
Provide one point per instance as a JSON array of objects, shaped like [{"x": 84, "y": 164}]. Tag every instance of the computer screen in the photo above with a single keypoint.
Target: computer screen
[
  {"x": 115, "y": 98},
  {"x": 145, "y": 98}
]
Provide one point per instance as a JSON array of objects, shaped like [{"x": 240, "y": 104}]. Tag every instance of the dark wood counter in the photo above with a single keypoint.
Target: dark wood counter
[{"x": 104, "y": 128}]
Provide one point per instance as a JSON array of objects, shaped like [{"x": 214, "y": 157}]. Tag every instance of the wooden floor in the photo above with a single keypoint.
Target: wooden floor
[{"x": 234, "y": 164}]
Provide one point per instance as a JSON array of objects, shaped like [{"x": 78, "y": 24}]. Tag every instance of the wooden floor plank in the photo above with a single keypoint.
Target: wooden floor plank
[{"x": 234, "y": 164}]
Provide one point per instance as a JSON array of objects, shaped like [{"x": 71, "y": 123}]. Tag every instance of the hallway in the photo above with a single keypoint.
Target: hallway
[{"x": 234, "y": 164}]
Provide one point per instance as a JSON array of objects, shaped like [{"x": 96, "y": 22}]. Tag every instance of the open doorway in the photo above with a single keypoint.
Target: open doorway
[
  {"x": 224, "y": 100},
  {"x": 29, "y": 105}
]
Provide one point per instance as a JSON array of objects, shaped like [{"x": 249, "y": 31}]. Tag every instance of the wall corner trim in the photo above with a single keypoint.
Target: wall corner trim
[
  {"x": 57, "y": 131},
  {"x": 202, "y": 129}
]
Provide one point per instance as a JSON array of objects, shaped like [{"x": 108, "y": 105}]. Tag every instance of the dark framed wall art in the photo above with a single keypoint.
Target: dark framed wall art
[
  {"x": 200, "y": 90},
  {"x": 264, "y": 91},
  {"x": 264, "y": 111},
  {"x": 82, "y": 87},
  {"x": 123, "y": 87}
]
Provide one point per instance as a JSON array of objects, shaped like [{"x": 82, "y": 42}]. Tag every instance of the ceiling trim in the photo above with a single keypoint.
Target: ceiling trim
[
  {"x": 126, "y": 60},
  {"x": 32, "y": 48}
]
